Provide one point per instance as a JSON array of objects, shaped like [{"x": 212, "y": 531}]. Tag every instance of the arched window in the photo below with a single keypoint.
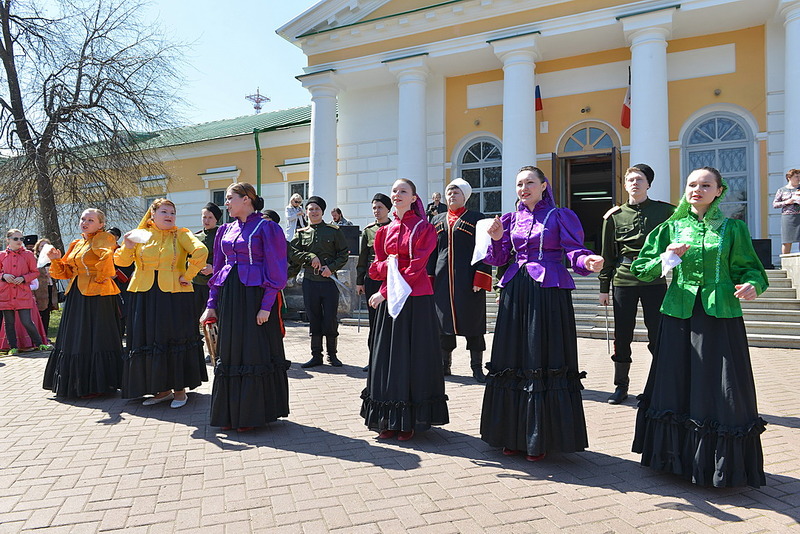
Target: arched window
[
  {"x": 480, "y": 164},
  {"x": 588, "y": 139},
  {"x": 724, "y": 141}
]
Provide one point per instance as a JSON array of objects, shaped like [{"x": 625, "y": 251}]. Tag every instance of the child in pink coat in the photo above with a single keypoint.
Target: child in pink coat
[{"x": 17, "y": 271}]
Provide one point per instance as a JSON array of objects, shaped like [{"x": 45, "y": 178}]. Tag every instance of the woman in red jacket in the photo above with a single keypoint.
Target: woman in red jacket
[
  {"x": 405, "y": 386},
  {"x": 17, "y": 271}
]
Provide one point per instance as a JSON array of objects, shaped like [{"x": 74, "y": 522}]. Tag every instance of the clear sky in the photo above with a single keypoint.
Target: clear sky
[{"x": 234, "y": 50}]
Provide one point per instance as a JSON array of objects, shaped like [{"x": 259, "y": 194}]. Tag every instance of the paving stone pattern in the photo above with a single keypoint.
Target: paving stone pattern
[{"x": 112, "y": 465}]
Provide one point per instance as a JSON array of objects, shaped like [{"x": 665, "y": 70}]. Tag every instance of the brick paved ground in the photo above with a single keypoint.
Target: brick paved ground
[{"x": 111, "y": 464}]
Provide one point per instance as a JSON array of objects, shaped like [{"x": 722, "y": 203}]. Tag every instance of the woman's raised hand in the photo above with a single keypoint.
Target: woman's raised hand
[
  {"x": 54, "y": 253},
  {"x": 495, "y": 231}
]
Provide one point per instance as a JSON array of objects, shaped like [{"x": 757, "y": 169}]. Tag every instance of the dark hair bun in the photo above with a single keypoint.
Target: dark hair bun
[{"x": 258, "y": 203}]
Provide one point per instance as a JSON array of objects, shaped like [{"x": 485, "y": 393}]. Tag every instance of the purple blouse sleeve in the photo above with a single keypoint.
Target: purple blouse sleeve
[
  {"x": 571, "y": 233},
  {"x": 275, "y": 264},
  {"x": 499, "y": 252},
  {"x": 219, "y": 261}
]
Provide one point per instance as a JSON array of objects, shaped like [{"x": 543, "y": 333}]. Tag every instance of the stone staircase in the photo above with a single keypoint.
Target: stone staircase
[{"x": 772, "y": 320}]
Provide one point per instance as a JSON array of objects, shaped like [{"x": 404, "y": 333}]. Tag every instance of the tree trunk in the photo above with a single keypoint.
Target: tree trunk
[{"x": 47, "y": 202}]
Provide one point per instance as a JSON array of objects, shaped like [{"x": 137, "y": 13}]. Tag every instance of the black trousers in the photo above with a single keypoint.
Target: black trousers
[
  {"x": 11, "y": 323},
  {"x": 321, "y": 300},
  {"x": 626, "y": 300},
  {"x": 447, "y": 342}
]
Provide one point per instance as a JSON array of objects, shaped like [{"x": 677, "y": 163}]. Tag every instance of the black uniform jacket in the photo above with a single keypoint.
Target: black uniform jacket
[{"x": 461, "y": 311}]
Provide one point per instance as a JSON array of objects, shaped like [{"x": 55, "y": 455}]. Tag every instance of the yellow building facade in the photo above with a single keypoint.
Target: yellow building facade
[{"x": 433, "y": 90}]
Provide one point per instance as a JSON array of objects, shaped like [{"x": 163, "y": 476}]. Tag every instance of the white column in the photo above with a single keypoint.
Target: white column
[
  {"x": 323, "y": 161},
  {"x": 790, "y": 11},
  {"x": 519, "y": 55},
  {"x": 412, "y": 134},
  {"x": 647, "y": 35}
]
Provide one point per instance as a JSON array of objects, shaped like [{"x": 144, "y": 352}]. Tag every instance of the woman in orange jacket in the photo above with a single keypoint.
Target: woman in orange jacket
[
  {"x": 87, "y": 359},
  {"x": 164, "y": 355}
]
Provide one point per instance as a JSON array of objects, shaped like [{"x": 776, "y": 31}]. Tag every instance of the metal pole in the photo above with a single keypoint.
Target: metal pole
[{"x": 608, "y": 335}]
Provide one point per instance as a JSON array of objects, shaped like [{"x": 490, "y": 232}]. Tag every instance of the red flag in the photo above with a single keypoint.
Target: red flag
[
  {"x": 625, "y": 117},
  {"x": 539, "y": 106}
]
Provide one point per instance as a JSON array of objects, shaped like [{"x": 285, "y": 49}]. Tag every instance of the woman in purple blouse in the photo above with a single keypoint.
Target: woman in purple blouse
[
  {"x": 250, "y": 384},
  {"x": 532, "y": 403}
]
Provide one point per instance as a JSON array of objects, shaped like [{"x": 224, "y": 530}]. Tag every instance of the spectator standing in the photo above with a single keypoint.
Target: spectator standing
[{"x": 295, "y": 216}]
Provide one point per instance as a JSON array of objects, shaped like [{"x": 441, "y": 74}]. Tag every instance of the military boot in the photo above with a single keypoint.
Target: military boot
[
  {"x": 621, "y": 380},
  {"x": 316, "y": 352},
  {"x": 447, "y": 361},
  {"x": 330, "y": 345},
  {"x": 476, "y": 363}
]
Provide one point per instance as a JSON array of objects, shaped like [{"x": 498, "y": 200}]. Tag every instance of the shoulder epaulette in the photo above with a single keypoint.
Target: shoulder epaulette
[
  {"x": 333, "y": 225},
  {"x": 611, "y": 212},
  {"x": 370, "y": 225}
]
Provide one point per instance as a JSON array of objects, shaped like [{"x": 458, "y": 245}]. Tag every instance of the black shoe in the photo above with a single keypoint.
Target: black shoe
[
  {"x": 619, "y": 395},
  {"x": 334, "y": 361},
  {"x": 313, "y": 362}
]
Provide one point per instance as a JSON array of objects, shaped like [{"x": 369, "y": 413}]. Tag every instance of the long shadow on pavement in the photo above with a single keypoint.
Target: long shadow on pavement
[
  {"x": 296, "y": 438},
  {"x": 599, "y": 470}
]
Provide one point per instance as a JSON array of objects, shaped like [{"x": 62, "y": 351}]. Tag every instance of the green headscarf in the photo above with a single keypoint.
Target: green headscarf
[{"x": 713, "y": 217}]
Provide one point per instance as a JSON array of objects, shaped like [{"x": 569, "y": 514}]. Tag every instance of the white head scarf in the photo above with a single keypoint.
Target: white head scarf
[{"x": 463, "y": 185}]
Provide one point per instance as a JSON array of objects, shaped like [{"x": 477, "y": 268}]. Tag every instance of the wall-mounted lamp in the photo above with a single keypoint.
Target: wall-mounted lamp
[{"x": 587, "y": 109}]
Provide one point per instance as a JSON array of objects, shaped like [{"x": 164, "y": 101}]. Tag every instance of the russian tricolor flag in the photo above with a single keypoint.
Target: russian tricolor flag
[
  {"x": 539, "y": 106},
  {"x": 625, "y": 116}
]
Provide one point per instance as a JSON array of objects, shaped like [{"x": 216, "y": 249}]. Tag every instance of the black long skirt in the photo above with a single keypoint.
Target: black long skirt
[
  {"x": 405, "y": 385},
  {"x": 87, "y": 358},
  {"x": 698, "y": 417},
  {"x": 532, "y": 400},
  {"x": 250, "y": 383},
  {"x": 163, "y": 346},
  {"x": 200, "y": 299}
]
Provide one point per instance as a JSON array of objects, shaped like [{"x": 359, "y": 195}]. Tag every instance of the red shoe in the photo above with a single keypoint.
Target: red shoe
[
  {"x": 387, "y": 434},
  {"x": 226, "y": 428},
  {"x": 405, "y": 436},
  {"x": 92, "y": 395},
  {"x": 245, "y": 428},
  {"x": 510, "y": 452},
  {"x": 535, "y": 458}
]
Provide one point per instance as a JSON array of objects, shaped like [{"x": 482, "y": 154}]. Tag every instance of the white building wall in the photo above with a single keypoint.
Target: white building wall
[{"x": 367, "y": 149}]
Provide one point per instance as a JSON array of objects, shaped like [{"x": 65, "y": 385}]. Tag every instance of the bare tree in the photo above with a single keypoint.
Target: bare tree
[{"x": 83, "y": 80}]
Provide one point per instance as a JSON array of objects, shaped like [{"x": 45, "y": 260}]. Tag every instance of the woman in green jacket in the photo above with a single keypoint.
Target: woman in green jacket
[{"x": 697, "y": 416}]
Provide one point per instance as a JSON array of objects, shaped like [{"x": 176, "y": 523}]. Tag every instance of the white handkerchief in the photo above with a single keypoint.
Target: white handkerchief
[
  {"x": 43, "y": 260},
  {"x": 668, "y": 261},
  {"x": 34, "y": 284},
  {"x": 397, "y": 289},
  {"x": 482, "y": 240},
  {"x": 140, "y": 235}
]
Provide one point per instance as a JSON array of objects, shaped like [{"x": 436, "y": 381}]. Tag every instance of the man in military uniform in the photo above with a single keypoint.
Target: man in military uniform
[
  {"x": 624, "y": 231},
  {"x": 381, "y": 204},
  {"x": 459, "y": 288},
  {"x": 321, "y": 250}
]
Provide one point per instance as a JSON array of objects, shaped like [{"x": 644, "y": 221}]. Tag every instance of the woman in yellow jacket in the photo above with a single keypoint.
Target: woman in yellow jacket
[
  {"x": 87, "y": 359},
  {"x": 163, "y": 354}
]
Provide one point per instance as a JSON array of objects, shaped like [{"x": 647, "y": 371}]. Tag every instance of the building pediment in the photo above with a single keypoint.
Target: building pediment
[{"x": 328, "y": 15}]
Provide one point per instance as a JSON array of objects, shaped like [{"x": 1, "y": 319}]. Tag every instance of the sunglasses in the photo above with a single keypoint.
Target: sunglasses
[{"x": 15, "y": 238}]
